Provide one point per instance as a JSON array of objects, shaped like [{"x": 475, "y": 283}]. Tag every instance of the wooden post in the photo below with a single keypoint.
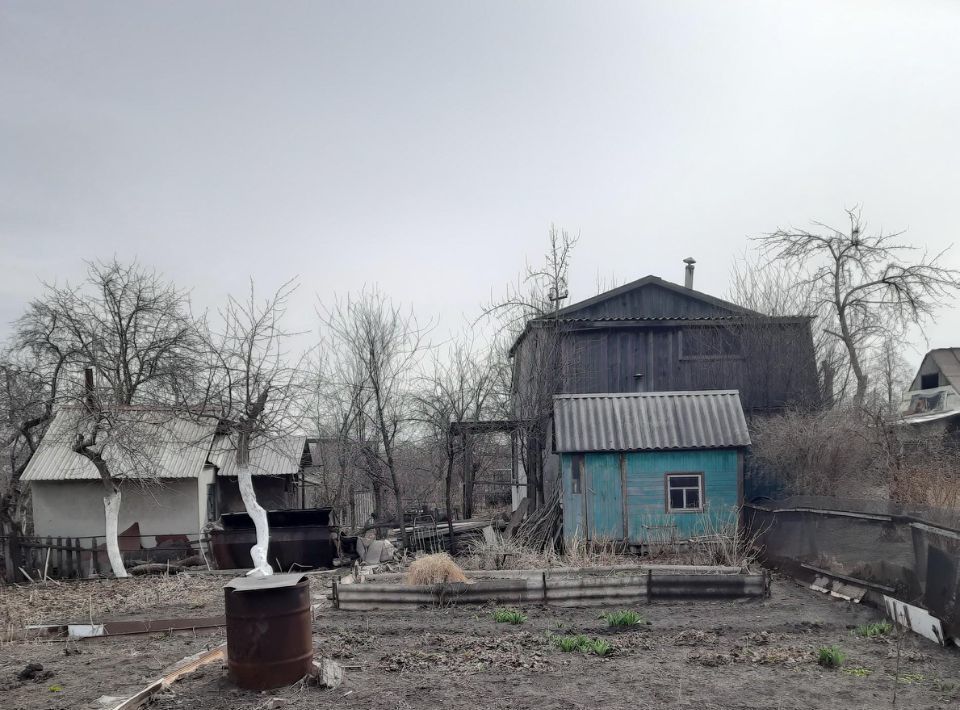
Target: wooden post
[
  {"x": 58, "y": 559},
  {"x": 12, "y": 556},
  {"x": 467, "y": 476},
  {"x": 94, "y": 558},
  {"x": 77, "y": 557}
]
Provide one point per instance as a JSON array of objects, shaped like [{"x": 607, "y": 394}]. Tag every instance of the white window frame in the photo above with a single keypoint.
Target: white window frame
[{"x": 699, "y": 488}]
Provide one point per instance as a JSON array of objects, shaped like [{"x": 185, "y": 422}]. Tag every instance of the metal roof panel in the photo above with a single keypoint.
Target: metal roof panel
[{"x": 650, "y": 421}]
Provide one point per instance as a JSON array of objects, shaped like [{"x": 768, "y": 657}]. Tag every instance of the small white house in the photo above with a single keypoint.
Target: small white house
[
  {"x": 176, "y": 475},
  {"x": 933, "y": 400}
]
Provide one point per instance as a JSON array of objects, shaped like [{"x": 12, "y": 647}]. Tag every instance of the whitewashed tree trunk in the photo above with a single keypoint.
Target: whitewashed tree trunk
[
  {"x": 261, "y": 568},
  {"x": 111, "y": 511}
]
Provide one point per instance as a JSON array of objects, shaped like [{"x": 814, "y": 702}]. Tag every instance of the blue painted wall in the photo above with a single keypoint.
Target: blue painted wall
[{"x": 623, "y": 495}]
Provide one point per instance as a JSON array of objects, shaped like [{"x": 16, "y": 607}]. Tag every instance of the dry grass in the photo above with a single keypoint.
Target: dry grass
[
  {"x": 96, "y": 600},
  {"x": 718, "y": 539},
  {"x": 434, "y": 569}
]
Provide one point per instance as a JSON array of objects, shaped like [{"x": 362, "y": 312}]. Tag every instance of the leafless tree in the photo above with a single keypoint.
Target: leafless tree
[
  {"x": 540, "y": 362},
  {"x": 133, "y": 330},
  {"x": 456, "y": 389},
  {"x": 252, "y": 389},
  {"x": 381, "y": 344},
  {"x": 870, "y": 285}
]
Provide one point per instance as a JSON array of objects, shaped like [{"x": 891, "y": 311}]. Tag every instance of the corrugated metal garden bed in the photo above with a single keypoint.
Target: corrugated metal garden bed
[{"x": 558, "y": 587}]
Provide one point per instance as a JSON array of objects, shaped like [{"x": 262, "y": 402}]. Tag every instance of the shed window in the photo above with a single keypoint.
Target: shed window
[
  {"x": 684, "y": 492},
  {"x": 576, "y": 474}
]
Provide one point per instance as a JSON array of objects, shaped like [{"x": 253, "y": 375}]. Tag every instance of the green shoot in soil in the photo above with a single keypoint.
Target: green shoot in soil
[
  {"x": 623, "y": 618},
  {"x": 858, "y": 671},
  {"x": 509, "y": 616},
  {"x": 830, "y": 657},
  {"x": 582, "y": 643},
  {"x": 875, "y": 630}
]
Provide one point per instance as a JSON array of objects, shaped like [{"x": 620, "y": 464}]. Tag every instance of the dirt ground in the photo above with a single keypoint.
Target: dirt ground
[{"x": 694, "y": 654}]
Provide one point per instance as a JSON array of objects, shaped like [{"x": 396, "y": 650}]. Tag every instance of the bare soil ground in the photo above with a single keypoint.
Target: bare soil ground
[{"x": 696, "y": 654}]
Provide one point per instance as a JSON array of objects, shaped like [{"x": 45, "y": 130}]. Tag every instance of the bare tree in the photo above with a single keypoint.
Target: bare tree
[
  {"x": 133, "y": 330},
  {"x": 457, "y": 389},
  {"x": 870, "y": 285},
  {"x": 252, "y": 390},
  {"x": 540, "y": 363},
  {"x": 382, "y": 344}
]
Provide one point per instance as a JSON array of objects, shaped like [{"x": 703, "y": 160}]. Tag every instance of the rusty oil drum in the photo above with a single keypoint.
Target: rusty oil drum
[{"x": 269, "y": 630}]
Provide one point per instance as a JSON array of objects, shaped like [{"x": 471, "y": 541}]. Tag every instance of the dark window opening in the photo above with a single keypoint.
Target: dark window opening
[
  {"x": 684, "y": 492},
  {"x": 928, "y": 382},
  {"x": 576, "y": 474}
]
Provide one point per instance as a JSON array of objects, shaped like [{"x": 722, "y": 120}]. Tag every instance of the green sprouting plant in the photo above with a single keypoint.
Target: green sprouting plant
[
  {"x": 623, "y": 618},
  {"x": 602, "y": 648},
  {"x": 911, "y": 678},
  {"x": 509, "y": 616},
  {"x": 858, "y": 671},
  {"x": 571, "y": 643},
  {"x": 830, "y": 657},
  {"x": 875, "y": 630},
  {"x": 582, "y": 643}
]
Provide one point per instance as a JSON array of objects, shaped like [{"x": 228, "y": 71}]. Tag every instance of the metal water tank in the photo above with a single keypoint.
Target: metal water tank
[{"x": 269, "y": 630}]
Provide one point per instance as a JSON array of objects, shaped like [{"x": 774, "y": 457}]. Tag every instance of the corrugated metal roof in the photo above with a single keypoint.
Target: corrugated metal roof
[
  {"x": 649, "y": 421},
  {"x": 144, "y": 443},
  {"x": 275, "y": 456}
]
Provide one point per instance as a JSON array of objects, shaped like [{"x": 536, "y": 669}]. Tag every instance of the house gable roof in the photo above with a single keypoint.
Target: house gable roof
[
  {"x": 947, "y": 361},
  {"x": 716, "y": 306},
  {"x": 149, "y": 443},
  {"x": 647, "y": 300}
]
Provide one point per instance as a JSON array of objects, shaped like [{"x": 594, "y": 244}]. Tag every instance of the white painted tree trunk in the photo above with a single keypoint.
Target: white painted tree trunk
[
  {"x": 111, "y": 511},
  {"x": 261, "y": 568}
]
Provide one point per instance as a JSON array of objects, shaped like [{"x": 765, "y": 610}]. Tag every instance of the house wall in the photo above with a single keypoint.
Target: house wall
[
  {"x": 273, "y": 493},
  {"x": 75, "y": 508},
  {"x": 624, "y": 495}
]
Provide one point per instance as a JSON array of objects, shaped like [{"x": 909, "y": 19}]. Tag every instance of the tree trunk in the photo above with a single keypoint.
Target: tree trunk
[
  {"x": 258, "y": 553},
  {"x": 111, "y": 511},
  {"x": 404, "y": 538}
]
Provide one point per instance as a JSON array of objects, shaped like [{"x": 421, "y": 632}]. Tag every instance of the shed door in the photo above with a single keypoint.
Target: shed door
[{"x": 605, "y": 497}]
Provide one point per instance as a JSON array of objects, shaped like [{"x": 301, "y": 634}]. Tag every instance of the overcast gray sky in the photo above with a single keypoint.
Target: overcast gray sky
[{"x": 427, "y": 147}]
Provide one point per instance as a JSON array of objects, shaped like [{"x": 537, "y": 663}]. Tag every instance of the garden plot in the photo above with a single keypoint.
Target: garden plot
[{"x": 705, "y": 654}]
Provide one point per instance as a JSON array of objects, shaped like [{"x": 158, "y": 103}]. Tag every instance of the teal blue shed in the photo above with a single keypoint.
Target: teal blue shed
[{"x": 648, "y": 468}]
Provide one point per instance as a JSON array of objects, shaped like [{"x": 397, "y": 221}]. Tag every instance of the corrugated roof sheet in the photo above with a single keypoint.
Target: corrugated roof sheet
[
  {"x": 145, "y": 443},
  {"x": 649, "y": 421},
  {"x": 277, "y": 456}
]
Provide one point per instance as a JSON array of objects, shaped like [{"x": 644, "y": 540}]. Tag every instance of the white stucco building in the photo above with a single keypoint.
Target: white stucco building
[{"x": 176, "y": 475}]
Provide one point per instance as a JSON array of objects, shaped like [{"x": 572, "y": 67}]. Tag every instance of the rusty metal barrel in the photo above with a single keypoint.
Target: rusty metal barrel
[{"x": 269, "y": 630}]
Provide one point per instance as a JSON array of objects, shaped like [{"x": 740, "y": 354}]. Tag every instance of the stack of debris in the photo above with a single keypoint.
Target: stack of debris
[{"x": 543, "y": 528}]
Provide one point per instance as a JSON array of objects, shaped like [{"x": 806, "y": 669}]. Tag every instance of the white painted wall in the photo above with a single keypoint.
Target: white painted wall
[{"x": 75, "y": 508}]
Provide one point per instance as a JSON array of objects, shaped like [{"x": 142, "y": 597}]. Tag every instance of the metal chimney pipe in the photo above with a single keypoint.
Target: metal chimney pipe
[{"x": 688, "y": 277}]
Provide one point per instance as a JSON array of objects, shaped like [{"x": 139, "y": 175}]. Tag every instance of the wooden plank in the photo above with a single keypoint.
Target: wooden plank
[{"x": 188, "y": 665}]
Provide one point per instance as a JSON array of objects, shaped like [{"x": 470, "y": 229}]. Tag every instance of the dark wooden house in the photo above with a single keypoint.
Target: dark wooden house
[{"x": 654, "y": 336}]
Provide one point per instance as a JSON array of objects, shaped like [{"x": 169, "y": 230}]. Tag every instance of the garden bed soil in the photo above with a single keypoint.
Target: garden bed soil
[{"x": 693, "y": 654}]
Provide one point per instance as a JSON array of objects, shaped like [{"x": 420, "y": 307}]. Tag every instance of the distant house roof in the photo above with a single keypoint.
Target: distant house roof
[
  {"x": 627, "y": 306},
  {"x": 649, "y": 421},
  {"x": 947, "y": 361},
  {"x": 273, "y": 456},
  {"x": 656, "y": 281},
  {"x": 148, "y": 443}
]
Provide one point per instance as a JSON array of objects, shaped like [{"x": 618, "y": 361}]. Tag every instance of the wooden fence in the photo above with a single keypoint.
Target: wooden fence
[{"x": 30, "y": 558}]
